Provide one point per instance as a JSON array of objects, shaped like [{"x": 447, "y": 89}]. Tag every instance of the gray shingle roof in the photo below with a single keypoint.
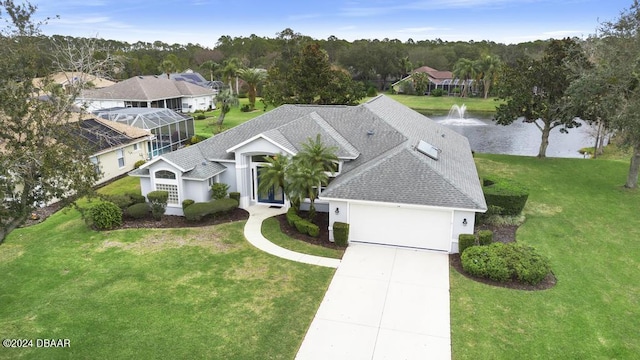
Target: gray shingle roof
[
  {"x": 381, "y": 134},
  {"x": 146, "y": 88}
]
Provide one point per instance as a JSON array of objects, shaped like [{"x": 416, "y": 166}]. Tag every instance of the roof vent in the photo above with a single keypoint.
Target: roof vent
[
  {"x": 370, "y": 132},
  {"x": 204, "y": 163},
  {"x": 428, "y": 149}
]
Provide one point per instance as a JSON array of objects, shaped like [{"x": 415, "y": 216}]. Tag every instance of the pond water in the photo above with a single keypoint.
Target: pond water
[{"x": 519, "y": 138}]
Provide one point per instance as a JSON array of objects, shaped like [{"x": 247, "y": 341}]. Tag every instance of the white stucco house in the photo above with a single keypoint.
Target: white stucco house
[
  {"x": 149, "y": 92},
  {"x": 402, "y": 179}
]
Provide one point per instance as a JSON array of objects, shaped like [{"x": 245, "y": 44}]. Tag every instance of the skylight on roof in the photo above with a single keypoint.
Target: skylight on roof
[{"x": 428, "y": 149}]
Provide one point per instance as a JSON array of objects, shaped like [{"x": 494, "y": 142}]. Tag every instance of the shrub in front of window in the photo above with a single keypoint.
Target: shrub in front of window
[
  {"x": 465, "y": 241},
  {"x": 219, "y": 191},
  {"x": 104, "y": 215},
  {"x": 200, "y": 210},
  {"x": 341, "y": 233},
  {"x": 437, "y": 92},
  {"x": 158, "y": 201},
  {"x": 138, "y": 211},
  {"x": 186, "y": 203}
]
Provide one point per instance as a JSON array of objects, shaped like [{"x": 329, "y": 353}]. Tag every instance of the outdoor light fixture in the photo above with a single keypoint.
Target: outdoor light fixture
[
  {"x": 337, "y": 211},
  {"x": 464, "y": 221}
]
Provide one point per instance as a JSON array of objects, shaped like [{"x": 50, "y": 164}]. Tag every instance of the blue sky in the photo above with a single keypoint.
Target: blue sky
[{"x": 204, "y": 21}]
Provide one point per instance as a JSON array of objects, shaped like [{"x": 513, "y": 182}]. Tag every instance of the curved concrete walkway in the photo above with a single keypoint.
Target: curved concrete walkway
[{"x": 253, "y": 233}]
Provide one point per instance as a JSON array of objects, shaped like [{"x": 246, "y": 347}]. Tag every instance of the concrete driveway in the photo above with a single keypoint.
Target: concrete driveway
[{"x": 383, "y": 303}]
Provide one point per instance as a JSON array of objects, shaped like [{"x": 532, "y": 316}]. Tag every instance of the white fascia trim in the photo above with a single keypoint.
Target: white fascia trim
[
  {"x": 234, "y": 148},
  {"x": 403, "y": 205},
  {"x": 145, "y": 165}
]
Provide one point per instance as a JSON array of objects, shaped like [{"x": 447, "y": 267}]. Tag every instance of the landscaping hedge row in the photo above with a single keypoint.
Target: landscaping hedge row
[
  {"x": 502, "y": 262},
  {"x": 197, "y": 211},
  {"x": 507, "y": 197},
  {"x": 123, "y": 201},
  {"x": 484, "y": 237},
  {"x": 302, "y": 225}
]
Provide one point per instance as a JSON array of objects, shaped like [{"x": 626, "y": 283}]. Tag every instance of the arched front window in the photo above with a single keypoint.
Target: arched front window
[
  {"x": 166, "y": 181},
  {"x": 165, "y": 174}
]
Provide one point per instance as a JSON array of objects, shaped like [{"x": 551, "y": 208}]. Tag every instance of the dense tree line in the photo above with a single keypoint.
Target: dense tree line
[{"x": 373, "y": 61}]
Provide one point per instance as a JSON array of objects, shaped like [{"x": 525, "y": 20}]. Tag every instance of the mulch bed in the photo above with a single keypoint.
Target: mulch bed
[
  {"x": 322, "y": 220},
  {"x": 504, "y": 234},
  {"x": 170, "y": 221}
]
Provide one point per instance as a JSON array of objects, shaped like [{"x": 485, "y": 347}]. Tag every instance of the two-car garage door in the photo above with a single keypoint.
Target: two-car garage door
[{"x": 419, "y": 228}]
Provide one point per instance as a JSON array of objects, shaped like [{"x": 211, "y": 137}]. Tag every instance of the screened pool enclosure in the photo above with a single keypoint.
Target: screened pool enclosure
[{"x": 171, "y": 129}]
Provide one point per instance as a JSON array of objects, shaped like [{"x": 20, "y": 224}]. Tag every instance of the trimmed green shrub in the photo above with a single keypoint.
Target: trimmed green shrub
[
  {"x": 371, "y": 91},
  {"x": 465, "y": 241},
  {"x": 197, "y": 138},
  {"x": 437, "y": 92},
  {"x": 486, "y": 261},
  {"x": 341, "y": 233},
  {"x": 139, "y": 163},
  {"x": 506, "y": 194},
  {"x": 158, "y": 201},
  {"x": 313, "y": 230},
  {"x": 219, "y": 191},
  {"x": 235, "y": 195},
  {"x": 301, "y": 225},
  {"x": 245, "y": 108},
  {"x": 122, "y": 201},
  {"x": 138, "y": 211},
  {"x": 136, "y": 198},
  {"x": 528, "y": 266},
  {"x": 197, "y": 211},
  {"x": 502, "y": 262},
  {"x": 104, "y": 215},
  {"x": 485, "y": 237},
  {"x": 186, "y": 203},
  {"x": 292, "y": 216},
  {"x": 201, "y": 117}
]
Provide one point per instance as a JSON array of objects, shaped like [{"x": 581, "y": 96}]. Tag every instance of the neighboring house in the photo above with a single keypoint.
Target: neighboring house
[
  {"x": 197, "y": 79},
  {"x": 170, "y": 130},
  {"x": 402, "y": 178},
  {"x": 437, "y": 80},
  {"x": 116, "y": 147},
  {"x": 149, "y": 92},
  {"x": 66, "y": 79}
]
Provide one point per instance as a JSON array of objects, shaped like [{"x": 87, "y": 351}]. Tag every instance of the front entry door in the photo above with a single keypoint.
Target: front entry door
[{"x": 272, "y": 196}]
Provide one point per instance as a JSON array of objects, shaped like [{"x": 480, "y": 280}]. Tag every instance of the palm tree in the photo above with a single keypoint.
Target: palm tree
[
  {"x": 488, "y": 67},
  {"x": 230, "y": 70},
  {"x": 465, "y": 70},
  {"x": 211, "y": 66},
  {"x": 273, "y": 174},
  {"x": 252, "y": 77},
  {"x": 168, "y": 67},
  {"x": 225, "y": 100},
  {"x": 304, "y": 181},
  {"x": 316, "y": 152},
  {"x": 309, "y": 171}
]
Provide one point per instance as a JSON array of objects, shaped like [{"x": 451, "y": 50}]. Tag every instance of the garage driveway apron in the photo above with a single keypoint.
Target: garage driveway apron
[{"x": 384, "y": 302}]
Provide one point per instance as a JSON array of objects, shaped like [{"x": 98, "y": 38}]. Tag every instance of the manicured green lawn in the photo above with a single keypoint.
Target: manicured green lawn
[
  {"x": 151, "y": 294},
  {"x": 586, "y": 223},
  {"x": 271, "y": 231},
  {"x": 233, "y": 118},
  {"x": 442, "y": 104}
]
